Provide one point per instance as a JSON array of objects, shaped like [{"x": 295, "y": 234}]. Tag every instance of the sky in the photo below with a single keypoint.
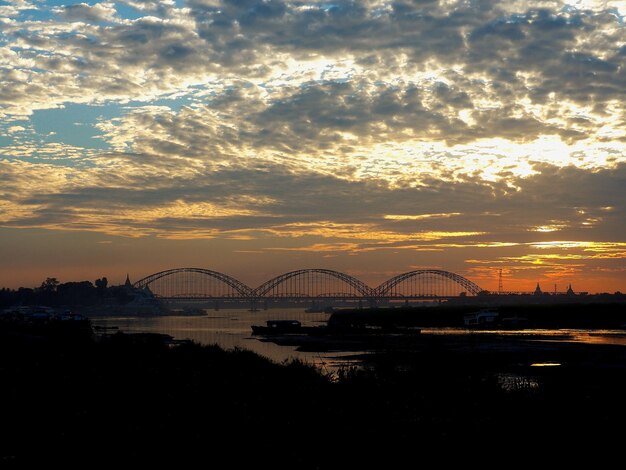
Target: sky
[{"x": 371, "y": 137}]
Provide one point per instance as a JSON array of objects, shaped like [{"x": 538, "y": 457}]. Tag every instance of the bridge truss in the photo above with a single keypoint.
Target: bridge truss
[
  {"x": 426, "y": 283},
  {"x": 194, "y": 283},
  {"x": 305, "y": 284}
]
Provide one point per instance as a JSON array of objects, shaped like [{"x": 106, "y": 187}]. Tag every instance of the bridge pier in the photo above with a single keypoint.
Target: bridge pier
[{"x": 216, "y": 305}]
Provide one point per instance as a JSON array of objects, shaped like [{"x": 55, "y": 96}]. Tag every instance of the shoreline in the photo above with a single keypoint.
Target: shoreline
[{"x": 148, "y": 401}]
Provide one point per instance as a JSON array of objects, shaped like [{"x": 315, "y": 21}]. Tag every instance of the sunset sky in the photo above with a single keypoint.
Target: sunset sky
[{"x": 370, "y": 137}]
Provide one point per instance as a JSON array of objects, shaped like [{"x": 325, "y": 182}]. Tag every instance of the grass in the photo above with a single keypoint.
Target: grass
[{"x": 123, "y": 400}]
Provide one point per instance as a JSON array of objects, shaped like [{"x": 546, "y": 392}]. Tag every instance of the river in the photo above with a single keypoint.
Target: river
[{"x": 232, "y": 329}]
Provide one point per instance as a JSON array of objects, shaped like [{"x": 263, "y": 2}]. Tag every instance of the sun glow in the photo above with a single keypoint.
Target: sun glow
[
  {"x": 489, "y": 136},
  {"x": 548, "y": 228},
  {"x": 422, "y": 216}
]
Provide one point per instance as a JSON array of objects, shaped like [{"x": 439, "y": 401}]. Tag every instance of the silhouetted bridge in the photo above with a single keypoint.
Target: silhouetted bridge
[{"x": 305, "y": 285}]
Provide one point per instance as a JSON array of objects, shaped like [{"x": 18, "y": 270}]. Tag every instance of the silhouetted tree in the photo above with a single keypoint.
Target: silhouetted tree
[
  {"x": 6, "y": 297},
  {"x": 101, "y": 284},
  {"x": 49, "y": 285},
  {"x": 76, "y": 293},
  {"x": 46, "y": 294},
  {"x": 25, "y": 296}
]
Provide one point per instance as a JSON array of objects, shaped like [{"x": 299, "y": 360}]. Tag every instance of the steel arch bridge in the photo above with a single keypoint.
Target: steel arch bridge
[
  {"x": 194, "y": 283},
  {"x": 425, "y": 283},
  {"x": 313, "y": 283},
  {"x": 305, "y": 284}
]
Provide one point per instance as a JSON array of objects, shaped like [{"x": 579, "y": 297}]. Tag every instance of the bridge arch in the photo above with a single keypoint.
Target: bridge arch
[
  {"x": 199, "y": 283},
  {"x": 426, "y": 283},
  {"x": 194, "y": 283},
  {"x": 313, "y": 283}
]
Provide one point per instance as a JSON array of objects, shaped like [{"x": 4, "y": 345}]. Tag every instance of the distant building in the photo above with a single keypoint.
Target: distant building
[
  {"x": 128, "y": 283},
  {"x": 538, "y": 290},
  {"x": 570, "y": 291}
]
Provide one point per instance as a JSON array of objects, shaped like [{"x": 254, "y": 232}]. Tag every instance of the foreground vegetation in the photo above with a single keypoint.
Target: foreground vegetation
[{"x": 71, "y": 398}]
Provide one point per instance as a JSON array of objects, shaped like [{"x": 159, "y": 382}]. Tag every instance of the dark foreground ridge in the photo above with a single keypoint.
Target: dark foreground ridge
[{"x": 70, "y": 397}]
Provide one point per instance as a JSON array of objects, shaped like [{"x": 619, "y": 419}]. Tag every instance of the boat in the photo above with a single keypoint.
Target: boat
[
  {"x": 274, "y": 327},
  {"x": 482, "y": 318},
  {"x": 282, "y": 327}
]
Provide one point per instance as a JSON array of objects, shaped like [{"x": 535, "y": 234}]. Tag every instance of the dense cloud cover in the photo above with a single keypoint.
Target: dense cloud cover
[{"x": 338, "y": 127}]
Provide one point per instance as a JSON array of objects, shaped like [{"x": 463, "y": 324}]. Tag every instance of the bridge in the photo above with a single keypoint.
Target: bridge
[{"x": 306, "y": 285}]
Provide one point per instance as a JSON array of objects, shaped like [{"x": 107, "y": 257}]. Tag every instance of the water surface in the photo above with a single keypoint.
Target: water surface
[{"x": 232, "y": 329}]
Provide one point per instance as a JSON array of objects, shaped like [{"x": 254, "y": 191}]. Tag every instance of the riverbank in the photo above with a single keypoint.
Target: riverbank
[
  {"x": 601, "y": 315},
  {"x": 128, "y": 398}
]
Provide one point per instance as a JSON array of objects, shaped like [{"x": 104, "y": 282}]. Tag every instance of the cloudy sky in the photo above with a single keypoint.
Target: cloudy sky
[{"x": 372, "y": 137}]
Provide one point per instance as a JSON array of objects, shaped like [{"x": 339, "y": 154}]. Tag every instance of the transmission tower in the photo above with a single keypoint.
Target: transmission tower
[{"x": 500, "y": 282}]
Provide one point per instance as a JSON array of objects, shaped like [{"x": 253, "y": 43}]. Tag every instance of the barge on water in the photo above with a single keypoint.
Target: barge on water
[
  {"x": 285, "y": 327},
  {"x": 274, "y": 327}
]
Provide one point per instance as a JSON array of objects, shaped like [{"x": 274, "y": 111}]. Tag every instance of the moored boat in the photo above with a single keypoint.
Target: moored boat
[
  {"x": 482, "y": 318},
  {"x": 277, "y": 327}
]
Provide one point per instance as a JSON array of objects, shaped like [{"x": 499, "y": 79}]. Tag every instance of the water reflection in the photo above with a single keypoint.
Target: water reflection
[
  {"x": 616, "y": 337},
  {"x": 517, "y": 383},
  {"x": 232, "y": 329}
]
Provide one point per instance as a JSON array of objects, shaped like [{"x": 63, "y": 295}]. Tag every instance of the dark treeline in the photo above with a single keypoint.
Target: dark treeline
[
  {"x": 129, "y": 399},
  {"x": 76, "y": 293}
]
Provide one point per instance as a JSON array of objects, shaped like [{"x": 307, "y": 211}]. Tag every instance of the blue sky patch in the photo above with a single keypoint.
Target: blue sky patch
[{"x": 74, "y": 124}]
